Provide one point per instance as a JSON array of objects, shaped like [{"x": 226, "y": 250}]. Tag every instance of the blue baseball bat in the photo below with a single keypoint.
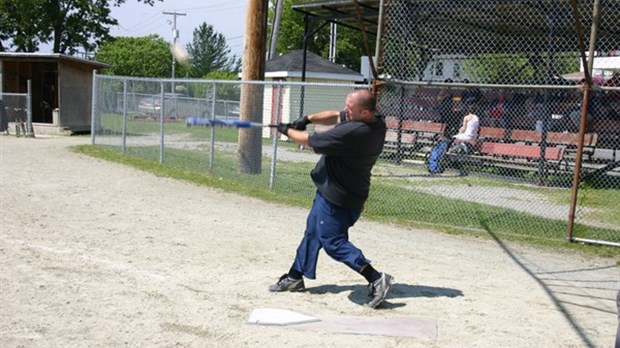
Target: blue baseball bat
[{"x": 207, "y": 122}]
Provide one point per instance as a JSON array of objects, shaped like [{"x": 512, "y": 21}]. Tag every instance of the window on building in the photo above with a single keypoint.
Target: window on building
[
  {"x": 457, "y": 70},
  {"x": 439, "y": 69}
]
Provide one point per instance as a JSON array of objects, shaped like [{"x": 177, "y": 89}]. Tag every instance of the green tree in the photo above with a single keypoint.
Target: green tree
[
  {"x": 69, "y": 24},
  {"x": 349, "y": 43},
  {"x": 520, "y": 68},
  {"x": 350, "y": 47},
  {"x": 225, "y": 91},
  {"x": 292, "y": 32},
  {"x": 147, "y": 56},
  {"x": 209, "y": 52},
  {"x": 20, "y": 25}
]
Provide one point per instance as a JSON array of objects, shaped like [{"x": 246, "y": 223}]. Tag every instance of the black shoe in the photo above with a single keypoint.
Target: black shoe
[{"x": 288, "y": 284}]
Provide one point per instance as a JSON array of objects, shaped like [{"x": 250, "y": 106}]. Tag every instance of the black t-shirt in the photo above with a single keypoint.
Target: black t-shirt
[{"x": 349, "y": 150}]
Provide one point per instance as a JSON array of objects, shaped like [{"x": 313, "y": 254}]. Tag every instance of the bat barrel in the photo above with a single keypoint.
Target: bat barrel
[{"x": 208, "y": 122}]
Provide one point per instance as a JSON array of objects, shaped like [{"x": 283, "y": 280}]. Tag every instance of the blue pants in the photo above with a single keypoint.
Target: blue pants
[{"x": 327, "y": 227}]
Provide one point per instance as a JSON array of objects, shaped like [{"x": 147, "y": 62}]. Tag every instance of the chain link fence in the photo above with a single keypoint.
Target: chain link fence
[
  {"x": 499, "y": 200},
  {"x": 518, "y": 66},
  {"x": 15, "y": 109}
]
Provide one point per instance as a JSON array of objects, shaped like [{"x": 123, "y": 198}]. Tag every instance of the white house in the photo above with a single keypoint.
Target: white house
[
  {"x": 603, "y": 66},
  {"x": 439, "y": 69}
]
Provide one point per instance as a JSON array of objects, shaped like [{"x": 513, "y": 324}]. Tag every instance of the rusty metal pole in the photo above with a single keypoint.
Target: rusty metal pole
[
  {"x": 596, "y": 12},
  {"x": 251, "y": 106}
]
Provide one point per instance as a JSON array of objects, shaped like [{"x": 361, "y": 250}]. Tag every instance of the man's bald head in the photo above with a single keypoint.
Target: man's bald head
[{"x": 365, "y": 99}]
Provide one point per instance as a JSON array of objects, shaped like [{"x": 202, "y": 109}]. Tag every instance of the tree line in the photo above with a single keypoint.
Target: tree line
[{"x": 73, "y": 26}]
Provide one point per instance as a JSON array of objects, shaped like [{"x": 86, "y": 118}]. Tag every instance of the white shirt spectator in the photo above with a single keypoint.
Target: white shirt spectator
[{"x": 469, "y": 129}]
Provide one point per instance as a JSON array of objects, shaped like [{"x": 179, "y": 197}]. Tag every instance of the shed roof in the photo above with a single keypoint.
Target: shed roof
[
  {"x": 291, "y": 65},
  {"x": 46, "y": 57}
]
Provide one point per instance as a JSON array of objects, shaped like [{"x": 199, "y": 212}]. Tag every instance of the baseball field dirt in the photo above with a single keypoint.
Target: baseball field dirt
[{"x": 96, "y": 254}]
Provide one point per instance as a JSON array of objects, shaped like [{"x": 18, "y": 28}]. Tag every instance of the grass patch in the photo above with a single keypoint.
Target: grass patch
[{"x": 390, "y": 199}]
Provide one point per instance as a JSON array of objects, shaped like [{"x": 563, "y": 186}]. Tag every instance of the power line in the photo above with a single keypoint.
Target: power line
[
  {"x": 144, "y": 22},
  {"x": 219, "y": 6}
]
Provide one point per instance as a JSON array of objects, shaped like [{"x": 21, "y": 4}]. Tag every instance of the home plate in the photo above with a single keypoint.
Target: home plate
[
  {"x": 274, "y": 316},
  {"x": 423, "y": 328}
]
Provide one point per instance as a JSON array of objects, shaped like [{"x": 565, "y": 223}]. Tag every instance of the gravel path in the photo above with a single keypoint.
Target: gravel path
[{"x": 521, "y": 200}]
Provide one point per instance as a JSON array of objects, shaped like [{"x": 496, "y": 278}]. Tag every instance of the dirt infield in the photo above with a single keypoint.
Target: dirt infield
[{"x": 95, "y": 254}]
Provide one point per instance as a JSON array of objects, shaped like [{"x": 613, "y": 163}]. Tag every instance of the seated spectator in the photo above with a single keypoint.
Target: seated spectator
[
  {"x": 471, "y": 93},
  {"x": 534, "y": 113},
  {"x": 444, "y": 103},
  {"x": 499, "y": 109},
  {"x": 470, "y": 127},
  {"x": 450, "y": 107},
  {"x": 614, "y": 80},
  {"x": 610, "y": 101},
  {"x": 574, "y": 121},
  {"x": 595, "y": 107}
]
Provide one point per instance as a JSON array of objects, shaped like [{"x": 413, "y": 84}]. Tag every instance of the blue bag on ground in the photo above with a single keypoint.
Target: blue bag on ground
[{"x": 434, "y": 159}]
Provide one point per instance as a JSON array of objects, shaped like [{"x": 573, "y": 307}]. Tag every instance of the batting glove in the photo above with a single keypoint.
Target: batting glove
[
  {"x": 283, "y": 128},
  {"x": 300, "y": 123}
]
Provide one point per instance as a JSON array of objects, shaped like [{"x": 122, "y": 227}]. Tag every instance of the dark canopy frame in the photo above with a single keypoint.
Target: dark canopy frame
[{"x": 450, "y": 26}]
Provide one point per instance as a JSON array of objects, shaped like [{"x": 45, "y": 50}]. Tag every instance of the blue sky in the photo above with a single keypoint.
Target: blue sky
[
  {"x": 226, "y": 16},
  {"x": 137, "y": 19}
]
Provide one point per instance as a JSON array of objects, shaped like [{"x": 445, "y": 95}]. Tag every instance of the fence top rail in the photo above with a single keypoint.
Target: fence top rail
[
  {"x": 495, "y": 85},
  {"x": 232, "y": 82}
]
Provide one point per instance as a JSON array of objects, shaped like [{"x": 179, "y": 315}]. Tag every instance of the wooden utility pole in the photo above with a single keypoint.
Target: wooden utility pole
[{"x": 253, "y": 69}]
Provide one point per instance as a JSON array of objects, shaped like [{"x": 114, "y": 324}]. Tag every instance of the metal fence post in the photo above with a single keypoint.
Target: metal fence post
[
  {"x": 161, "y": 122},
  {"x": 29, "y": 130},
  {"x": 212, "y": 143},
  {"x": 272, "y": 173},
  {"x": 93, "y": 103},
  {"x": 124, "y": 135}
]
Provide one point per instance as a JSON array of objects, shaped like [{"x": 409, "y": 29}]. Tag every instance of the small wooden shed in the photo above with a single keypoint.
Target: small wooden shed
[{"x": 61, "y": 88}]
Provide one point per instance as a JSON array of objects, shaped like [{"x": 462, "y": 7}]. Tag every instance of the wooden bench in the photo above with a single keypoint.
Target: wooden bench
[
  {"x": 405, "y": 138},
  {"x": 608, "y": 132},
  {"x": 552, "y": 153},
  {"x": 525, "y": 136},
  {"x": 570, "y": 141},
  {"x": 412, "y": 138},
  {"x": 416, "y": 126},
  {"x": 520, "y": 157},
  {"x": 492, "y": 134}
]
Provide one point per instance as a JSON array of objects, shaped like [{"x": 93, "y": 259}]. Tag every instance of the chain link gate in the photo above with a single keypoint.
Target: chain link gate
[{"x": 17, "y": 108}]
